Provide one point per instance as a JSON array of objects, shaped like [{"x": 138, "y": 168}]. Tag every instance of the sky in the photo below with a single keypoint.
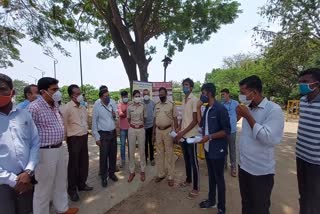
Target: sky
[{"x": 194, "y": 62}]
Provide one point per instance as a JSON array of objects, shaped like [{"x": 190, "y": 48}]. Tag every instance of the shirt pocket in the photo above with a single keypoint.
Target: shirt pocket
[
  {"x": 21, "y": 131},
  {"x": 168, "y": 113}
]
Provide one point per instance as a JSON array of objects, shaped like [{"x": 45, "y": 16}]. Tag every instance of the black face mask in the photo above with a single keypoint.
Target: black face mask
[{"x": 163, "y": 99}]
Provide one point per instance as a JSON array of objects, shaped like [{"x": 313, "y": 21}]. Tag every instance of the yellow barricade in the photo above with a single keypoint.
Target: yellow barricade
[{"x": 293, "y": 109}]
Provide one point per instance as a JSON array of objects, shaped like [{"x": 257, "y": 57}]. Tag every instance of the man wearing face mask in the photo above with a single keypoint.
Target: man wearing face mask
[
  {"x": 165, "y": 120},
  {"x": 30, "y": 94},
  {"x": 51, "y": 172},
  {"x": 231, "y": 106},
  {"x": 148, "y": 125},
  {"x": 19, "y": 153},
  {"x": 75, "y": 119},
  {"x": 215, "y": 124},
  {"x": 112, "y": 101},
  {"x": 262, "y": 130},
  {"x": 103, "y": 129},
  {"x": 308, "y": 145},
  {"x": 124, "y": 125},
  {"x": 188, "y": 127}
]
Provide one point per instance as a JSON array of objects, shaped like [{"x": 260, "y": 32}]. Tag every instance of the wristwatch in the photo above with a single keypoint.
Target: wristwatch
[
  {"x": 210, "y": 137},
  {"x": 29, "y": 172}
]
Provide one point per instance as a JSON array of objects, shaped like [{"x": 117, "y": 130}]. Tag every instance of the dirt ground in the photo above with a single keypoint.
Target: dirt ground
[{"x": 160, "y": 198}]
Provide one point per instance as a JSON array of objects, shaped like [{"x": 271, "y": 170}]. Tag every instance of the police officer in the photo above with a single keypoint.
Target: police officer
[
  {"x": 136, "y": 115},
  {"x": 164, "y": 121}
]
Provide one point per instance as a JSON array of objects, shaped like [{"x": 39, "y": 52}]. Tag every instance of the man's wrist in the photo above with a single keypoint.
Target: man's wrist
[{"x": 29, "y": 172}]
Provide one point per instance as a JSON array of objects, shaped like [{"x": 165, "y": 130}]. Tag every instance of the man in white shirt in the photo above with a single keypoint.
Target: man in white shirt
[
  {"x": 103, "y": 130},
  {"x": 262, "y": 130}
]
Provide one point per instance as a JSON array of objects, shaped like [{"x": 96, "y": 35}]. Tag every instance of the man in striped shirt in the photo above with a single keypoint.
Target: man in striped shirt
[
  {"x": 51, "y": 172},
  {"x": 308, "y": 145}
]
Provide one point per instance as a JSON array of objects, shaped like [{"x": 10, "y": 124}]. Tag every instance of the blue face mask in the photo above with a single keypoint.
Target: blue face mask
[
  {"x": 223, "y": 100},
  {"x": 186, "y": 90},
  {"x": 83, "y": 103},
  {"x": 305, "y": 88},
  {"x": 204, "y": 99},
  {"x": 107, "y": 100}
]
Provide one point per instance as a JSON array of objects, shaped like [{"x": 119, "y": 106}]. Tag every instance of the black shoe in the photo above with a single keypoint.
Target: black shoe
[
  {"x": 86, "y": 188},
  {"x": 221, "y": 212},
  {"x": 113, "y": 177},
  {"x": 207, "y": 204},
  {"x": 104, "y": 182},
  {"x": 74, "y": 197}
]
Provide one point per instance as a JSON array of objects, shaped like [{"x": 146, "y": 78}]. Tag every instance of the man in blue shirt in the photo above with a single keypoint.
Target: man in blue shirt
[
  {"x": 215, "y": 128},
  {"x": 19, "y": 153},
  {"x": 30, "y": 94},
  {"x": 231, "y": 106}
]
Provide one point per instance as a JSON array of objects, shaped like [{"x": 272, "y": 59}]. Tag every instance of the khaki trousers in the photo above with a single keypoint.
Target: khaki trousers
[
  {"x": 165, "y": 155},
  {"x": 135, "y": 135}
]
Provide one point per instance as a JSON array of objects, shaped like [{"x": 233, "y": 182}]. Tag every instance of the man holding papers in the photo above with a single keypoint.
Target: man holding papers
[{"x": 215, "y": 128}]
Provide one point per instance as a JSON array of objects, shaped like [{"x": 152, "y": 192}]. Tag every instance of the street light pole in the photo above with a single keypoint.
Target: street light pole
[
  {"x": 55, "y": 61},
  {"x": 80, "y": 59},
  {"x": 166, "y": 61},
  {"x": 42, "y": 71}
]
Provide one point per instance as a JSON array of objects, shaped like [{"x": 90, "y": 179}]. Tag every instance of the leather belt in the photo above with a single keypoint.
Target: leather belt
[
  {"x": 136, "y": 126},
  {"x": 52, "y": 146},
  {"x": 164, "y": 128}
]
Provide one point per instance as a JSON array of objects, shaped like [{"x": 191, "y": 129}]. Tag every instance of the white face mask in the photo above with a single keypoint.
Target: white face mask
[
  {"x": 80, "y": 98},
  {"x": 243, "y": 99},
  {"x": 137, "y": 99},
  {"x": 146, "y": 98},
  {"x": 125, "y": 100},
  {"x": 57, "y": 96}
]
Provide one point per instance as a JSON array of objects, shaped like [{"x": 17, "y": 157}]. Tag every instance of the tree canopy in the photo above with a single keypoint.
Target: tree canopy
[{"x": 123, "y": 28}]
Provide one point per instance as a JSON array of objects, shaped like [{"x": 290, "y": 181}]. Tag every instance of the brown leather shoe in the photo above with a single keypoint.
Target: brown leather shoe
[
  {"x": 171, "y": 182},
  {"x": 71, "y": 211},
  {"x": 142, "y": 176},
  {"x": 131, "y": 176}
]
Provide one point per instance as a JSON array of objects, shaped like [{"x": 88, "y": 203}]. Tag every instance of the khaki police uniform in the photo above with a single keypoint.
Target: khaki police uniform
[
  {"x": 164, "y": 115},
  {"x": 136, "y": 113}
]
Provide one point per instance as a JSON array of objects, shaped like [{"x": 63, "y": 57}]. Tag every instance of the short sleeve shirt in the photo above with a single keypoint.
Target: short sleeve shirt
[
  {"x": 136, "y": 114},
  {"x": 189, "y": 107},
  {"x": 165, "y": 113}
]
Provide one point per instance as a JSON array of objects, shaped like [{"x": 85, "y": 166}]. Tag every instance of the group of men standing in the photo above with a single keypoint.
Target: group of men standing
[{"x": 33, "y": 160}]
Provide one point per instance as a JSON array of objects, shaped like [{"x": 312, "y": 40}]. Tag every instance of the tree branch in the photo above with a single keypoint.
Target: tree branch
[{"x": 124, "y": 32}]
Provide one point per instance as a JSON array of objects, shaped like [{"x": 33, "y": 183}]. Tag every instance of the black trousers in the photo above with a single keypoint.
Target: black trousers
[
  {"x": 13, "y": 203},
  {"x": 78, "y": 165},
  {"x": 255, "y": 192},
  {"x": 108, "y": 153},
  {"x": 149, "y": 149},
  {"x": 216, "y": 181},
  {"x": 309, "y": 187},
  {"x": 191, "y": 163}
]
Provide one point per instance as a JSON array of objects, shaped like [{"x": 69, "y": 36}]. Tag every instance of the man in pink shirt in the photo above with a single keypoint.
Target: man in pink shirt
[{"x": 124, "y": 125}]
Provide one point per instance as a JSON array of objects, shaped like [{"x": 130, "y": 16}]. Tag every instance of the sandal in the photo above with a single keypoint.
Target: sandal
[
  {"x": 143, "y": 176},
  {"x": 193, "y": 194},
  {"x": 158, "y": 179},
  {"x": 184, "y": 184},
  {"x": 233, "y": 172}
]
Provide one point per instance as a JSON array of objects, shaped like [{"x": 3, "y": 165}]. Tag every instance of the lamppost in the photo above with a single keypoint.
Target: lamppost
[
  {"x": 35, "y": 79},
  {"x": 80, "y": 59},
  {"x": 166, "y": 61},
  {"x": 42, "y": 71},
  {"x": 55, "y": 61}
]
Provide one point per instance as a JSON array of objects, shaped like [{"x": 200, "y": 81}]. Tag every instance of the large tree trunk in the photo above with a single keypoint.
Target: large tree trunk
[
  {"x": 128, "y": 61},
  {"x": 143, "y": 70}
]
